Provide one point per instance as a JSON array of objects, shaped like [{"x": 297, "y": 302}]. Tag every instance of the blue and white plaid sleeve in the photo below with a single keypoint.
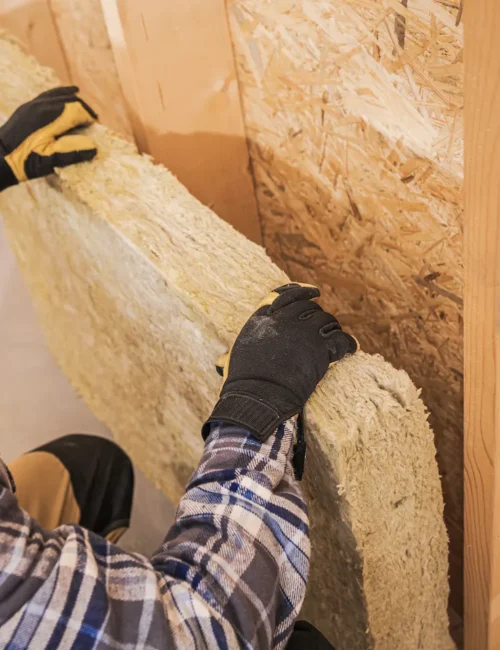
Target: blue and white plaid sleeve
[{"x": 231, "y": 573}]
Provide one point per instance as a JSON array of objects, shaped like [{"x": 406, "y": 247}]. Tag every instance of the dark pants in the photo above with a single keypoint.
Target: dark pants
[{"x": 77, "y": 479}]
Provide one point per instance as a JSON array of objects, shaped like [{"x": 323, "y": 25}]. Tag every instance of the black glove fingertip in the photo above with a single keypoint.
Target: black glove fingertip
[
  {"x": 57, "y": 93},
  {"x": 341, "y": 344},
  {"x": 88, "y": 154},
  {"x": 88, "y": 108},
  {"x": 65, "y": 159},
  {"x": 293, "y": 292}
]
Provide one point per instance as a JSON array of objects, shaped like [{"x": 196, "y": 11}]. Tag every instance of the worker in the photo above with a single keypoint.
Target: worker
[{"x": 232, "y": 571}]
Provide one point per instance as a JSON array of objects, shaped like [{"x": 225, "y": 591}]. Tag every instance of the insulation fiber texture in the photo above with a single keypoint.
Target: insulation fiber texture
[{"x": 139, "y": 288}]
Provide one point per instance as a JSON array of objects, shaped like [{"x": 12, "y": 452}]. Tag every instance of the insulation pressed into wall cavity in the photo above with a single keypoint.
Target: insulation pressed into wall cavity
[
  {"x": 353, "y": 110},
  {"x": 139, "y": 288}
]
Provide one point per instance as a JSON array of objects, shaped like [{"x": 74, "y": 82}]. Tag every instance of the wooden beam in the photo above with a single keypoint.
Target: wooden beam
[
  {"x": 482, "y": 318},
  {"x": 176, "y": 67}
]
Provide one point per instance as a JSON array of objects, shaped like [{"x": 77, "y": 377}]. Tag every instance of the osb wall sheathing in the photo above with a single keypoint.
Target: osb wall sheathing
[
  {"x": 353, "y": 110},
  {"x": 139, "y": 287}
]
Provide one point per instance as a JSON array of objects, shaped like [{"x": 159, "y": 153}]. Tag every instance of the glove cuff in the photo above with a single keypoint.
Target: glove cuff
[
  {"x": 7, "y": 177},
  {"x": 260, "y": 418}
]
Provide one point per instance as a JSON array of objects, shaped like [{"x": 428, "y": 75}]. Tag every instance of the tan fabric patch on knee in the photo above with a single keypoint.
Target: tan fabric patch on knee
[{"x": 44, "y": 489}]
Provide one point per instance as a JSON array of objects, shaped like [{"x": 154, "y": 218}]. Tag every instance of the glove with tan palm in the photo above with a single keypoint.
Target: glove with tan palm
[{"x": 38, "y": 136}]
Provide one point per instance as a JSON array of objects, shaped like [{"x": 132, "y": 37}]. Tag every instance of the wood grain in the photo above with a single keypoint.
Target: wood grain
[
  {"x": 176, "y": 67},
  {"x": 482, "y": 317}
]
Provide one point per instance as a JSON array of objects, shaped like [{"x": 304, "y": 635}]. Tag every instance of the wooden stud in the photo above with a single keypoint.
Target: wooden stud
[{"x": 482, "y": 318}]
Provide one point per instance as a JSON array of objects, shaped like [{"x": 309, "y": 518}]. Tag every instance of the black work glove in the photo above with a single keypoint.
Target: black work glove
[
  {"x": 35, "y": 138},
  {"x": 279, "y": 357},
  {"x": 306, "y": 637}
]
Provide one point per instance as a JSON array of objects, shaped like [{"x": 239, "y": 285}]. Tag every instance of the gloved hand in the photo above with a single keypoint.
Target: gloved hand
[
  {"x": 279, "y": 357},
  {"x": 34, "y": 140}
]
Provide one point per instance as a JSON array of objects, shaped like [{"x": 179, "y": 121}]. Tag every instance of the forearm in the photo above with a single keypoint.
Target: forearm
[
  {"x": 231, "y": 573},
  {"x": 241, "y": 537}
]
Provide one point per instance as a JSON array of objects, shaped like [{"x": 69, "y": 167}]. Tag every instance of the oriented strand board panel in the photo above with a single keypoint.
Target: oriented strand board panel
[
  {"x": 176, "y": 66},
  {"x": 482, "y": 344},
  {"x": 353, "y": 110},
  {"x": 139, "y": 287}
]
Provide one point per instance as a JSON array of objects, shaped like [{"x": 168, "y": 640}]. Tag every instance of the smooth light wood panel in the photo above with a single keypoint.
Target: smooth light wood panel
[
  {"x": 32, "y": 22},
  {"x": 179, "y": 77},
  {"x": 482, "y": 318}
]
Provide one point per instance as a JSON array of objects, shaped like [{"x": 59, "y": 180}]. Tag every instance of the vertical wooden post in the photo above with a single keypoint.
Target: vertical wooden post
[{"x": 482, "y": 326}]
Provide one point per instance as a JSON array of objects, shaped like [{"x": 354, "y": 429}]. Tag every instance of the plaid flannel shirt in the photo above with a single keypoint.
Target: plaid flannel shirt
[{"x": 231, "y": 573}]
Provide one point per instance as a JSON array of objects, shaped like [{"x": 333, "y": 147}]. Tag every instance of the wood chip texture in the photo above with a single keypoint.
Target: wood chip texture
[
  {"x": 139, "y": 287},
  {"x": 354, "y": 114}
]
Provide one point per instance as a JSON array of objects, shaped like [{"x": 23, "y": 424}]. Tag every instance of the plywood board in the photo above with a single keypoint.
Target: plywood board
[
  {"x": 482, "y": 345},
  {"x": 139, "y": 287},
  {"x": 353, "y": 110},
  {"x": 176, "y": 66}
]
